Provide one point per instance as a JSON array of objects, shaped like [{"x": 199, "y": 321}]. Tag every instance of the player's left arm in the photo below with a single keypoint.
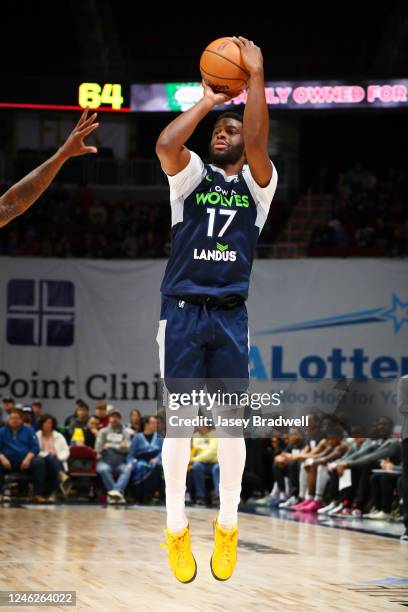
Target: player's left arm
[{"x": 256, "y": 116}]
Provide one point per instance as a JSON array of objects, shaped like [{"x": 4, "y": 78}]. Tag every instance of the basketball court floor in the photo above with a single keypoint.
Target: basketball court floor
[{"x": 113, "y": 560}]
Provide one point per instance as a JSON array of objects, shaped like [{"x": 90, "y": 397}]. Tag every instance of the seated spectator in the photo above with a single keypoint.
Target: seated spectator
[
  {"x": 313, "y": 432},
  {"x": 286, "y": 466},
  {"x": 91, "y": 431},
  {"x": 8, "y": 405},
  {"x": 145, "y": 455},
  {"x": 55, "y": 451},
  {"x": 272, "y": 448},
  {"x": 258, "y": 476},
  {"x": 204, "y": 461},
  {"x": 342, "y": 497},
  {"x": 383, "y": 490},
  {"x": 361, "y": 464},
  {"x": 37, "y": 408},
  {"x": 312, "y": 477},
  {"x": 317, "y": 467},
  {"x": 76, "y": 423},
  {"x": 101, "y": 411},
  {"x": 19, "y": 450},
  {"x": 112, "y": 445},
  {"x": 28, "y": 416},
  {"x": 135, "y": 423}
]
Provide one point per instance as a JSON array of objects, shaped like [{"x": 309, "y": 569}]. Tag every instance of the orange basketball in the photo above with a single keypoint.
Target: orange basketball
[{"x": 222, "y": 67}]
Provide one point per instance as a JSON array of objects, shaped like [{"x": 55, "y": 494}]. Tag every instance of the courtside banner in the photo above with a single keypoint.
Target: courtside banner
[
  {"x": 290, "y": 95},
  {"x": 88, "y": 329}
]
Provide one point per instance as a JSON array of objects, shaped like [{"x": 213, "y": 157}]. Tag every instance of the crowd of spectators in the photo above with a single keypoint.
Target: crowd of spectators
[
  {"x": 65, "y": 225},
  {"x": 369, "y": 215},
  {"x": 33, "y": 444},
  {"x": 331, "y": 472},
  {"x": 325, "y": 469}
]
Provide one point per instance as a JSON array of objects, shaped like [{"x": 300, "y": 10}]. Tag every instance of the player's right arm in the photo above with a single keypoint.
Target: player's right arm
[
  {"x": 170, "y": 146},
  {"x": 24, "y": 193}
]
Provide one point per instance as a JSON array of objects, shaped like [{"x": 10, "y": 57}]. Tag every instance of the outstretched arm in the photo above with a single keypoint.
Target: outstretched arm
[
  {"x": 24, "y": 193},
  {"x": 256, "y": 116},
  {"x": 170, "y": 149}
]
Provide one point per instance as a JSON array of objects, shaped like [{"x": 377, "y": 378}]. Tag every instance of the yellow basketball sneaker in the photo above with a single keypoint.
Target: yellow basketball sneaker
[
  {"x": 224, "y": 557},
  {"x": 181, "y": 560}
]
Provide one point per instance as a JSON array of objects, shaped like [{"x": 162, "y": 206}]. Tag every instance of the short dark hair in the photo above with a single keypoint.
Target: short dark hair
[
  {"x": 146, "y": 419},
  {"x": 45, "y": 417},
  {"x": 81, "y": 404},
  {"x": 230, "y": 115}
]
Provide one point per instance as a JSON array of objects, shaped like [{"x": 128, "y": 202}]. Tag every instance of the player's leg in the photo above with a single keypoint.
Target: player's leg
[
  {"x": 228, "y": 360},
  {"x": 181, "y": 358}
]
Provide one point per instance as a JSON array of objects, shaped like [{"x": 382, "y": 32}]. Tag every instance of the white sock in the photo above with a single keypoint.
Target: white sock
[
  {"x": 175, "y": 459},
  {"x": 275, "y": 490},
  {"x": 302, "y": 482},
  {"x": 322, "y": 478},
  {"x": 231, "y": 457}
]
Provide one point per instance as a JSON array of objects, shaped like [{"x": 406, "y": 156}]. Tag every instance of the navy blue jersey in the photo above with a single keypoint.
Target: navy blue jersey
[{"x": 216, "y": 221}]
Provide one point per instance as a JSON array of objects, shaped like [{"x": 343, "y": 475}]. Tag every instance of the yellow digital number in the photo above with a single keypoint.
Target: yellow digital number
[
  {"x": 112, "y": 95},
  {"x": 92, "y": 95},
  {"x": 89, "y": 95}
]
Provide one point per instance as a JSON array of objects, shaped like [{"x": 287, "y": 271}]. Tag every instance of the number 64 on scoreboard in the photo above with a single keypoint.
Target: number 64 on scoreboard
[{"x": 93, "y": 95}]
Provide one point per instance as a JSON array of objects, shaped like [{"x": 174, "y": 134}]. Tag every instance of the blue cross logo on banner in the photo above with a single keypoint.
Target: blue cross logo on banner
[{"x": 40, "y": 313}]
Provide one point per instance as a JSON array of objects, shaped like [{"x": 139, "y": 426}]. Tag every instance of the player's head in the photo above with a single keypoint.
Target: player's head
[{"x": 227, "y": 141}]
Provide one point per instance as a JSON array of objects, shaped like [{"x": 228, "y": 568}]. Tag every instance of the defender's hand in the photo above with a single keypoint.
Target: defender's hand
[{"x": 74, "y": 145}]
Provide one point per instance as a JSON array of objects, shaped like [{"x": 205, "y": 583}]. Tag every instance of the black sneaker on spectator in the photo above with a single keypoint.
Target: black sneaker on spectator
[
  {"x": 216, "y": 500},
  {"x": 404, "y": 537},
  {"x": 200, "y": 501}
]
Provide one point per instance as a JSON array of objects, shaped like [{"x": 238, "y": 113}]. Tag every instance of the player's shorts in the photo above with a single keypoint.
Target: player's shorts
[{"x": 205, "y": 342}]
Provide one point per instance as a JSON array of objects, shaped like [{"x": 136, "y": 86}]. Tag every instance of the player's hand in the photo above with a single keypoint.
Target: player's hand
[
  {"x": 251, "y": 54},
  {"x": 213, "y": 97},
  {"x": 74, "y": 145}
]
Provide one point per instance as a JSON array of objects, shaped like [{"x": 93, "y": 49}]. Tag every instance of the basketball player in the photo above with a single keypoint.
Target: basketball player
[
  {"x": 203, "y": 330},
  {"x": 24, "y": 193}
]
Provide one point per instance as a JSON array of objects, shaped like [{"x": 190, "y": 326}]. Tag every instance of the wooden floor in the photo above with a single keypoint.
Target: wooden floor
[{"x": 111, "y": 557}]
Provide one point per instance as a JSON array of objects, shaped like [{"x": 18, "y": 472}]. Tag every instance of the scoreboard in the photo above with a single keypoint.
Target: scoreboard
[
  {"x": 68, "y": 94},
  {"x": 62, "y": 94}
]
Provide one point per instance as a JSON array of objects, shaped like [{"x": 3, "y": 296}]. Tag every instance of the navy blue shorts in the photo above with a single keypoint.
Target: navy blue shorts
[{"x": 203, "y": 342}]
